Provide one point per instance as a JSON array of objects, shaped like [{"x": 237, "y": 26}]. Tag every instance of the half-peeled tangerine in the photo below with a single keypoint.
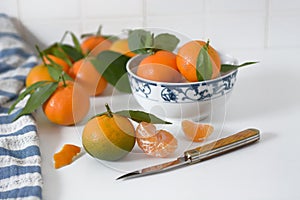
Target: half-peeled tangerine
[{"x": 157, "y": 143}]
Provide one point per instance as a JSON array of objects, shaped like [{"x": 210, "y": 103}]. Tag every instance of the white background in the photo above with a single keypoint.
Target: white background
[{"x": 266, "y": 96}]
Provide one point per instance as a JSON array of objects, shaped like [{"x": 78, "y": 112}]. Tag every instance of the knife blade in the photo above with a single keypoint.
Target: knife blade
[{"x": 201, "y": 153}]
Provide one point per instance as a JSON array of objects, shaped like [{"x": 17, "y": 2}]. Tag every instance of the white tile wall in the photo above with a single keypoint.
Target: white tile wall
[
  {"x": 229, "y": 24},
  {"x": 49, "y": 9},
  {"x": 112, "y": 8}
]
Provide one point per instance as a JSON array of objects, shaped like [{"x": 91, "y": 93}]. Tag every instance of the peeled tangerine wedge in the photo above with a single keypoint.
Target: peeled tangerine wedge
[
  {"x": 65, "y": 156},
  {"x": 195, "y": 131},
  {"x": 158, "y": 143}
]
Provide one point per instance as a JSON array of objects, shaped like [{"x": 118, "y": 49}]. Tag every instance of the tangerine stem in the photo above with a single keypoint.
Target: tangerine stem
[
  {"x": 109, "y": 113},
  {"x": 64, "y": 36},
  {"x": 98, "y": 33},
  {"x": 207, "y": 44},
  {"x": 63, "y": 79},
  {"x": 40, "y": 54}
]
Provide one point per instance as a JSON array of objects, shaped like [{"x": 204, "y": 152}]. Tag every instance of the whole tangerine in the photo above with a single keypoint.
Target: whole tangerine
[
  {"x": 161, "y": 66},
  {"x": 58, "y": 61},
  {"x": 85, "y": 74},
  {"x": 67, "y": 106},
  {"x": 108, "y": 137},
  {"x": 95, "y": 44},
  {"x": 187, "y": 56},
  {"x": 38, "y": 73},
  {"x": 121, "y": 46}
]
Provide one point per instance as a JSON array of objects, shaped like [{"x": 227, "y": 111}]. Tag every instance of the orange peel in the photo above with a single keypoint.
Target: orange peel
[{"x": 66, "y": 155}]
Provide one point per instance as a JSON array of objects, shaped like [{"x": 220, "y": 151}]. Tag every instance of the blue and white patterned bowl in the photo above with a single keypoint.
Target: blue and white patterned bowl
[{"x": 175, "y": 101}]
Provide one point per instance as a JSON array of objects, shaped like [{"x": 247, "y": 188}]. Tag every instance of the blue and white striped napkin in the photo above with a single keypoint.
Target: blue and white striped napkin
[{"x": 20, "y": 159}]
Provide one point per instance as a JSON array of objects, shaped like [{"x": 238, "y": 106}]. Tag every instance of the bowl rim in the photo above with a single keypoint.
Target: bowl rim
[{"x": 132, "y": 74}]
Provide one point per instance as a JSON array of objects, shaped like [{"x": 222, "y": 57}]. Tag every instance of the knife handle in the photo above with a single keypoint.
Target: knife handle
[{"x": 223, "y": 145}]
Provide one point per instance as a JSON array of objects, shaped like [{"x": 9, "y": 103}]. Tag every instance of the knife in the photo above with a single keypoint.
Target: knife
[{"x": 201, "y": 153}]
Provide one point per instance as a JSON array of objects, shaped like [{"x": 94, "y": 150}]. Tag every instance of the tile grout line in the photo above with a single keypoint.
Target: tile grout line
[
  {"x": 267, "y": 21},
  {"x": 204, "y": 19},
  {"x": 81, "y": 17},
  {"x": 144, "y": 15}
]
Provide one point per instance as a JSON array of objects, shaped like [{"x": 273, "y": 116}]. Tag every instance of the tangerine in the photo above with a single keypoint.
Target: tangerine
[
  {"x": 67, "y": 106},
  {"x": 195, "y": 131},
  {"x": 121, "y": 46},
  {"x": 58, "y": 61},
  {"x": 158, "y": 143},
  {"x": 187, "y": 56},
  {"x": 108, "y": 137},
  {"x": 85, "y": 74},
  {"x": 160, "y": 66},
  {"x": 38, "y": 73},
  {"x": 95, "y": 44}
]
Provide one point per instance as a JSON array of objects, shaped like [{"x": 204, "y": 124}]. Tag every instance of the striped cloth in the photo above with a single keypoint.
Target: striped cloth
[{"x": 20, "y": 159}]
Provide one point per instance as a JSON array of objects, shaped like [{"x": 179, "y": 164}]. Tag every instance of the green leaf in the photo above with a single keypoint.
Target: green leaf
[
  {"x": 140, "y": 41},
  {"x": 38, "y": 97},
  {"x": 166, "y": 41},
  {"x": 228, "y": 67},
  {"x": 56, "y": 73},
  {"x": 61, "y": 54},
  {"x": 75, "y": 41},
  {"x": 112, "y": 66},
  {"x": 26, "y": 92},
  {"x": 140, "y": 116},
  {"x": 204, "y": 66},
  {"x": 50, "y": 49},
  {"x": 111, "y": 38},
  {"x": 71, "y": 51}
]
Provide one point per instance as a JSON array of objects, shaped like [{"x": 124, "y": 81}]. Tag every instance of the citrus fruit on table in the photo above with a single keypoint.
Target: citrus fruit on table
[
  {"x": 108, "y": 137},
  {"x": 161, "y": 66},
  {"x": 67, "y": 106},
  {"x": 158, "y": 143},
  {"x": 121, "y": 46},
  {"x": 38, "y": 73},
  {"x": 64, "y": 65},
  {"x": 95, "y": 44},
  {"x": 196, "y": 132},
  {"x": 85, "y": 74},
  {"x": 187, "y": 56}
]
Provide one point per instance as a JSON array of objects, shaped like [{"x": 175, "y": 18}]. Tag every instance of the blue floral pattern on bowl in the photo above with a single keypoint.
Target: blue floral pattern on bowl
[{"x": 183, "y": 93}]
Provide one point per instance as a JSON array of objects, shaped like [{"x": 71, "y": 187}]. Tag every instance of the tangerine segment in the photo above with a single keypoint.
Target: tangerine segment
[
  {"x": 86, "y": 75},
  {"x": 155, "y": 143},
  {"x": 187, "y": 59},
  {"x": 65, "y": 155},
  {"x": 38, "y": 73},
  {"x": 67, "y": 105},
  {"x": 195, "y": 131}
]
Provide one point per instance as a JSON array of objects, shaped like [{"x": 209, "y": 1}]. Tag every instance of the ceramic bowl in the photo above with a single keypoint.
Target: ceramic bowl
[{"x": 176, "y": 101}]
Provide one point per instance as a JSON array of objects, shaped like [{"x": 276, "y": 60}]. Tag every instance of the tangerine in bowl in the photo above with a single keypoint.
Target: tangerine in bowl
[{"x": 181, "y": 99}]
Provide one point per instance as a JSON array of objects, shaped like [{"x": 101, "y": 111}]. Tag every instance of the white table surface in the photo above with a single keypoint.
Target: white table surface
[{"x": 266, "y": 96}]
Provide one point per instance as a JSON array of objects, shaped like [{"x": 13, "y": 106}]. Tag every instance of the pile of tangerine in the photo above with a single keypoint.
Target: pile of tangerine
[{"x": 166, "y": 66}]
